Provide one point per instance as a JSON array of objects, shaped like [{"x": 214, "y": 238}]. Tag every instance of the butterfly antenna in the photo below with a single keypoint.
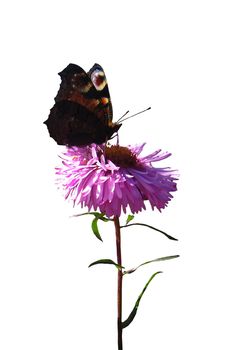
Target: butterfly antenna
[
  {"x": 131, "y": 116},
  {"x": 122, "y": 117}
]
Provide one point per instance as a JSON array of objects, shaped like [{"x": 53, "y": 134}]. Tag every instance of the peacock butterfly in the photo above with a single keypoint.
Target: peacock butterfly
[{"x": 82, "y": 113}]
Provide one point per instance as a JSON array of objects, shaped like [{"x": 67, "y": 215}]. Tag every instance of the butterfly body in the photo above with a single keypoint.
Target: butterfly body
[{"x": 82, "y": 113}]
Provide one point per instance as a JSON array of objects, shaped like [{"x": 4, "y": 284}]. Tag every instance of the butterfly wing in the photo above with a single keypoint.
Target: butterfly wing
[
  {"x": 82, "y": 113},
  {"x": 98, "y": 78}
]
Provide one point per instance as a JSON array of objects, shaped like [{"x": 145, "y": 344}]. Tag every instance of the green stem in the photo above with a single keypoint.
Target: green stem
[{"x": 119, "y": 282}]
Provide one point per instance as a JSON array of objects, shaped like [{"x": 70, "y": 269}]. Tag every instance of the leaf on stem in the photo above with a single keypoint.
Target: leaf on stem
[
  {"x": 94, "y": 225},
  {"x": 151, "y": 227},
  {"x": 129, "y": 218},
  {"x": 106, "y": 261},
  {"x": 97, "y": 215},
  {"x": 127, "y": 322},
  {"x": 150, "y": 261},
  {"x": 95, "y": 229}
]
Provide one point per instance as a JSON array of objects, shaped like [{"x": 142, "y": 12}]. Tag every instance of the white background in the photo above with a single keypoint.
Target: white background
[{"x": 177, "y": 57}]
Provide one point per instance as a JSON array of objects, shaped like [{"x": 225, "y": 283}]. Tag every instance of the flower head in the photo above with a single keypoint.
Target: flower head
[{"x": 113, "y": 178}]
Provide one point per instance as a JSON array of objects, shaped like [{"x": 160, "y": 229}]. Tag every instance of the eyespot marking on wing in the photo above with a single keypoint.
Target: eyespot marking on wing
[{"x": 98, "y": 79}]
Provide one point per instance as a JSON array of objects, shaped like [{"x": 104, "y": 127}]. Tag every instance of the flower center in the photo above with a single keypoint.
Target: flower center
[{"x": 121, "y": 156}]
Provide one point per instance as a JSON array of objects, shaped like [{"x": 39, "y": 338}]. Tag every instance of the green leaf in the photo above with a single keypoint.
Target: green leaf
[
  {"x": 98, "y": 215},
  {"x": 153, "y": 228},
  {"x": 127, "y": 322},
  {"x": 106, "y": 261},
  {"x": 150, "y": 261},
  {"x": 95, "y": 229},
  {"x": 94, "y": 225},
  {"x": 129, "y": 218}
]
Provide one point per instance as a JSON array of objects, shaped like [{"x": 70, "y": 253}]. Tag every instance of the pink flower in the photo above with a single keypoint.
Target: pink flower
[{"x": 113, "y": 178}]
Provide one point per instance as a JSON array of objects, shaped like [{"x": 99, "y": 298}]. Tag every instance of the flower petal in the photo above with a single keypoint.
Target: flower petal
[{"x": 89, "y": 179}]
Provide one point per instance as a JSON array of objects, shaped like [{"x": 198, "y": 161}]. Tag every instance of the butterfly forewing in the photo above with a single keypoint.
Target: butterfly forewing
[{"x": 98, "y": 78}]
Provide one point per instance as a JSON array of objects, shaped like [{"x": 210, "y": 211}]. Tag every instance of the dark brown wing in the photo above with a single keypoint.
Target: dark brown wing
[
  {"x": 82, "y": 113},
  {"x": 71, "y": 124},
  {"x": 90, "y": 90},
  {"x": 98, "y": 78}
]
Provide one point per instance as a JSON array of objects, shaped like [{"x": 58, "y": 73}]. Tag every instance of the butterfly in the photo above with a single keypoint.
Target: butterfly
[{"x": 82, "y": 113}]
